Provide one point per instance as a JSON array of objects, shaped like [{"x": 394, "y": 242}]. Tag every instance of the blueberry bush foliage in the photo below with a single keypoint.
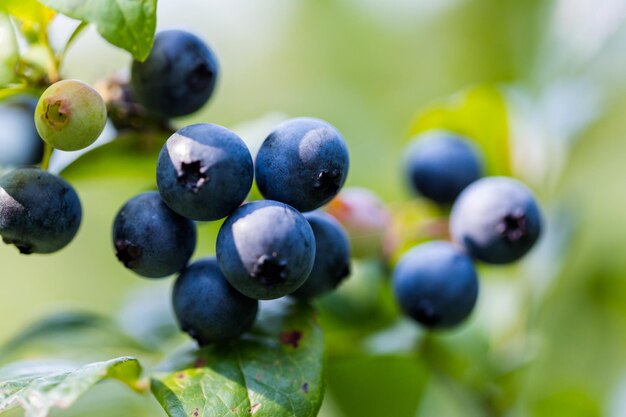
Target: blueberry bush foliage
[{"x": 383, "y": 343}]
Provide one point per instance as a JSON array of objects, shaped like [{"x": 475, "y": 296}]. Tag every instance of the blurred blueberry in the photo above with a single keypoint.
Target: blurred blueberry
[
  {"x": 435, "y": 283},
  {"x": 20, "y": 144},
  {"x": 497, "y": 219},
  {"x": 440, "y": 164}
]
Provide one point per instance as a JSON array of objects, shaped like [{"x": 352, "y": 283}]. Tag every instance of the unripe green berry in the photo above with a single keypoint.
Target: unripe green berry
[{"x": 70, "y": 115}]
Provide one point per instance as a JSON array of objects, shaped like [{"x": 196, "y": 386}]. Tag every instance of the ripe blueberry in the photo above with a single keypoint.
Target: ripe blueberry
[
  {"x": 497, "y": 219},
  {"x": 39, "y": 212},
  {"x": 303, "y": 162},
  {"x": 20, "y": 144},
  {"x": 178, "y": 77},
  {"x": 332, "y": 256},
  {"x": 70, "y": 115},
  {"x": 440, "y": 164},
  {"x": 207, "y": 307},
  {"x": 204, "y": 172},
  {"x": 266, "y": 249},
  {"x": 435, "y": 283},
  {"x": 150, "y": 239}
]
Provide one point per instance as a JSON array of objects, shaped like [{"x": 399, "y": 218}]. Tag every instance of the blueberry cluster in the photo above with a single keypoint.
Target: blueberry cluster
[
  {"x": 40, "y": 212},
  {"x": 495, "y": 220},
  {"x": 265, "y": 249}
]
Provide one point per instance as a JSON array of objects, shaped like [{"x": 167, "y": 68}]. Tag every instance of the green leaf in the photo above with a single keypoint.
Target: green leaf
[
  {"x": 377, "y": 386},
  {"x": 75, "y": 35},
  {"x": 31, "y": 13},
  {"x": 74, "y": 336},
  {"x": 16, "y": 89},
  {"x": 65, "y": 323},
  {"x": 42, "y": 389},
  {"x": 274, "y": 371},
  {"x": 479, "y": 113},
  {"x": 129, "y": 24},
  {"x": 568, "y": 402},
  {"x": 9, "y": 53},
  {"x": 11, "y": 90}
]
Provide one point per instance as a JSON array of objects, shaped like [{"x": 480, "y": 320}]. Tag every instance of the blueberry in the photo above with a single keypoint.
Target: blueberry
[
  {"x": 208, "y": 308},
  {"x": 303, "y": 162},
  {"x": 150, "y": 239},
  {"x": 70, "y": 115},
  {"x": 204, "y": 172},
  {"x": 266, "y": 249},
  {"x": 332, "y": 257},
  {"x": 435, "y": 283},
  {"x": 497, "y": 219},
  {"x": 20, "y": 144},
  {"x": 178, "y": 77},
  {"x": 39, "y": 212},
  {"x": 440, "y": 164}
]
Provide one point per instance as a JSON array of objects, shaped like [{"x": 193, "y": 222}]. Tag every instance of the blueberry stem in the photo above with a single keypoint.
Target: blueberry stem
[
  {"x": 54, "y": 62},
  {"x": 47, "y": 153}
]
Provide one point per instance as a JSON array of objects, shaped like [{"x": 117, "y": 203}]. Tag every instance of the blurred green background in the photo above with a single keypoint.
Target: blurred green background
[{"x": 549, "y": 335}]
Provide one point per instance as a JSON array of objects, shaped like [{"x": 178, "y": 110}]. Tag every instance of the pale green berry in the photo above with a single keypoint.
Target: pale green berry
[{"x": 70, "y": 115}]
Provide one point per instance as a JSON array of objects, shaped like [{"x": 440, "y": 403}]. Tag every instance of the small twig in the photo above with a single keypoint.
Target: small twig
[
  {"x": 53, "y": 70},
  {"x": 47, "y": 153}
]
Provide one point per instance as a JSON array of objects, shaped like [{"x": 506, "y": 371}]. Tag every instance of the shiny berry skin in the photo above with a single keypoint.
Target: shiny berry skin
[
  {"x": 435, "y": 283},
  {"x": 266, "y": 249},
  {"x": 207, "y": 307},
  {"x": 39, "y": 212},
  {"x": 178, "y": 77},
  {"x": 150, "y": 239},
  {"x": 204, "y": 172},
  {"x": 304, "y": 163},
  {"x": 497, "y": 219}
]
